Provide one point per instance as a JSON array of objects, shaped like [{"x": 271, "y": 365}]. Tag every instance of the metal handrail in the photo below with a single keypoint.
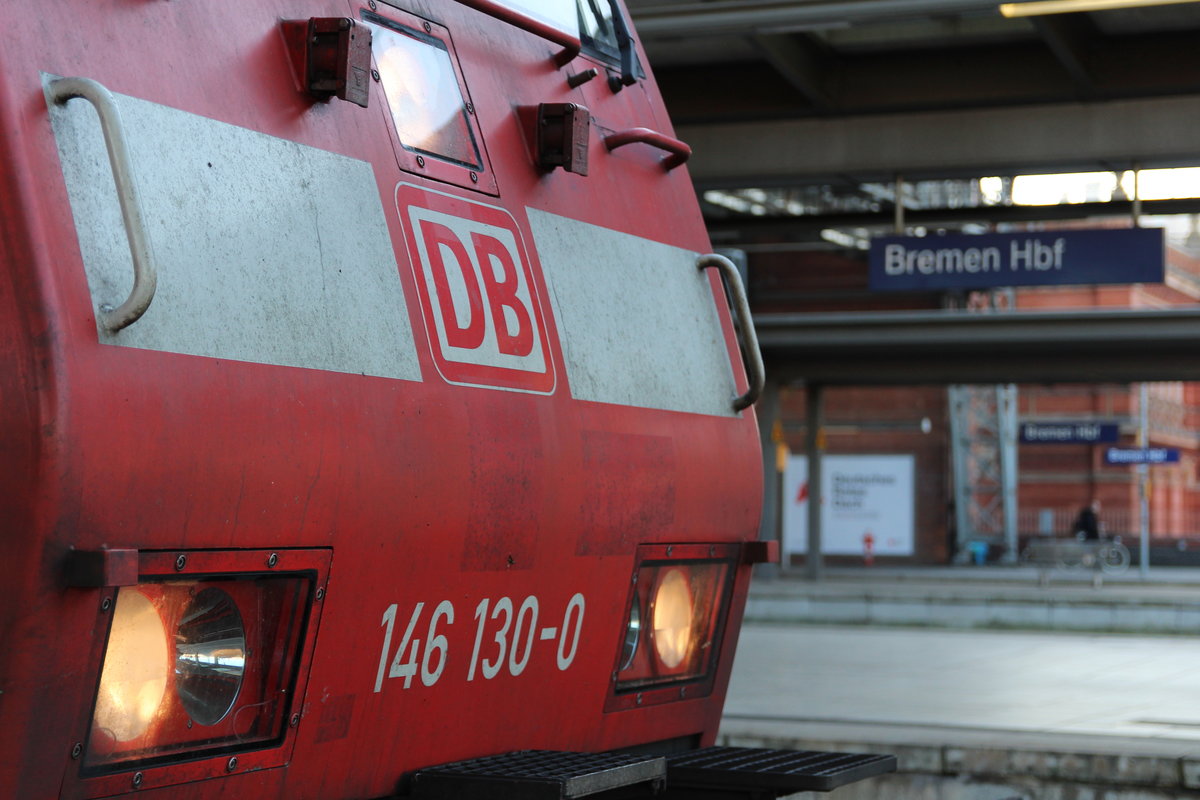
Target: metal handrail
[
  {"x": 755, "y": 373},
  {"x": 680, "y": 151},
  {"x": 570, "y": 44},
  {"x": 145, "y": 277}
]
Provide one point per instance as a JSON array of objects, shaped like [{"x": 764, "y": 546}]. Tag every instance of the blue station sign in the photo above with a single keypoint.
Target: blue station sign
[
  {"x": 1039, "y": 258},
  {"x": 1141, "y": 455},
  {"x": 1069, "y": 432}
]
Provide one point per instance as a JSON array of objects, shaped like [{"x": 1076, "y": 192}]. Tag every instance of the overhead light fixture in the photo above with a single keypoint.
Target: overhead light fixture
[{"x": 1042, "y": 7}]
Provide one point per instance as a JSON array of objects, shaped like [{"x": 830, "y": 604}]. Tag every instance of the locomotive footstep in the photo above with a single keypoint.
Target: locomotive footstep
[{"x": 540, "y": 775}]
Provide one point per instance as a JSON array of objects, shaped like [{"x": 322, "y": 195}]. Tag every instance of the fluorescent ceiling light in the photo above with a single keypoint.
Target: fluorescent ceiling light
[{"x": 1039, "y": 7}]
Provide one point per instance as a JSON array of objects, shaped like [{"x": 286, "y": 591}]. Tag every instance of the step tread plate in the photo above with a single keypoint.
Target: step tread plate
[
  {"x": 761, "y": 768},
  {"x": 537, "y": 775}
]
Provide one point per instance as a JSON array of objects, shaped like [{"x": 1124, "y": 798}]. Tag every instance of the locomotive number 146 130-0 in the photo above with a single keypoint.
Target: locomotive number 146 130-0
[{"x": 505, "y": 637}]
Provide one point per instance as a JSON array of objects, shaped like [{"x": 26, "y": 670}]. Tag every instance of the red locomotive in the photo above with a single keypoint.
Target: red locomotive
[{"x": 368, "y": 405}]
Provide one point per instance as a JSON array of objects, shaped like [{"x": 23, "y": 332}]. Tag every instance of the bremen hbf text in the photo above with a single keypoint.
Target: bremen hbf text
[{"x": 1032, "y": 255}]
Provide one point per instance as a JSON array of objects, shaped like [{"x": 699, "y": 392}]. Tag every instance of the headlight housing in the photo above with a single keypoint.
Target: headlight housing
[
  {"x": 675, "y": 621},
  {"x": 205, "y": 657},
  {"x": 176, "y": 677}
]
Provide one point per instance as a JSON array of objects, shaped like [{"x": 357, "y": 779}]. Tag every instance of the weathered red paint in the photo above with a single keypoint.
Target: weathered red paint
[{"x": 422, "y": 492}]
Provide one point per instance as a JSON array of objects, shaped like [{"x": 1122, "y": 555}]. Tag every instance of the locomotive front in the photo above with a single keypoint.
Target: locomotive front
[{"x": 369, "y": 404}]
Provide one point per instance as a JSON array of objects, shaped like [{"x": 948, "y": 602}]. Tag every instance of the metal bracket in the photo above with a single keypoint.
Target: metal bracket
[
  {"x": 562, "y": 137},
  {"x": 91, "y": 569},
  {"x": 331, "y": 57},
  {"x": 760, "y": 552}
]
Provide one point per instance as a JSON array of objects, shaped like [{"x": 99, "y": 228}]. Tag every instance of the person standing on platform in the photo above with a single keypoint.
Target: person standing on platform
[{"x": 1087, "y": 524}]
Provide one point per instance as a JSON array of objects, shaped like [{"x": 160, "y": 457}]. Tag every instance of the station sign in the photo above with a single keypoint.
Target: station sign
[
  {"x": 1029, "y": 258},
  {"x": 1121, "y": 456},
  {"x": 1069, "y": 432}
]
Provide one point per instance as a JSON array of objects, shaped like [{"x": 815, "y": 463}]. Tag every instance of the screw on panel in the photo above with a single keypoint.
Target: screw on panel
[
  {"x": 106, "y": 604},
  {"x": 375, "y": 75},
  {"x": 635, "y": 577},
  {"x": 137, "y": 779},
  {"x": 470, "y": 107},
  {"x": 77, "y": 750},
  {"x": 295, "y": 720},
  {"x": 232, "y": 765},
  {"x": 683, "y": 691},
  {"x": 474, "y": 178},
  {"x": 420, "y": 161},
  {"x": 272, "y": 560},
  {"x": 669, "y": 549},
  {"x": 372, "y": 5},
  {"x": 639, "y": 698},
  {"x": 180, "y": 561},
  {"x": 320, "y": 593},
  {"x": 428, "y": 28},
  {"x": 712, "y": 549}
]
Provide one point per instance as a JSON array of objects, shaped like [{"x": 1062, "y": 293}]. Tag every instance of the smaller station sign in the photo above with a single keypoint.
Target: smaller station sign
[
  {"x": 1029, "y": 258},
  {"x": 1121, "y": 456},
  {"x": 1057, "y": 432}
]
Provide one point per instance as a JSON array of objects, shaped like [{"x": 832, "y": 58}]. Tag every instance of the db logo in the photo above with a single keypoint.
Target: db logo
[{"x": 485, "y": 322}]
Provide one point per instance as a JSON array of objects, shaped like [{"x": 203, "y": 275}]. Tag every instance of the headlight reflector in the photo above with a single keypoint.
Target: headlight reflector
[
  {"x": 633, "y": 635},
  {"x": 210, "y": 656}
]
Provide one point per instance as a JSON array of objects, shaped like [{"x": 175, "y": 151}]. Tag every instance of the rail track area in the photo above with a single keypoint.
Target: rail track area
[{"x": 1074, "y": 703}]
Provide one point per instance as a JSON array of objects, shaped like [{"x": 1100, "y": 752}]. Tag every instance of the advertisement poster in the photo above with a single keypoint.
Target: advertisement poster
[{"x": 865, "y": 496}]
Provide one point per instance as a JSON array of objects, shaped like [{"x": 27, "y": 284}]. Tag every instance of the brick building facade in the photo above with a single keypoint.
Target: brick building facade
[{"x": 1054, "y": 480}]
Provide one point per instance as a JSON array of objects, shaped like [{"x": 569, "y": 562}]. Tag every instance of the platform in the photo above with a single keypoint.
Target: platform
[
  {"x": 973, "y": 709},
  {"x": 985, "y": 597}
]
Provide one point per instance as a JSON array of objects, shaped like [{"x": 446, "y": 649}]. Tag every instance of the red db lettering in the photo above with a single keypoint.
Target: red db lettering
[
  {"x": 440, "y": 240},
  {"x": 502, "y": 294},
  {"x": 477, "y": 286}
]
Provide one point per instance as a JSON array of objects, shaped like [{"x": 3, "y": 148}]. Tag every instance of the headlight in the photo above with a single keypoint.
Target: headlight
[
  {"x": 195, "y": 666},
  {"x": 676, "y": 618},
  {"x": 136, "y": 668},
  {"x": 673, "y": 629}
]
